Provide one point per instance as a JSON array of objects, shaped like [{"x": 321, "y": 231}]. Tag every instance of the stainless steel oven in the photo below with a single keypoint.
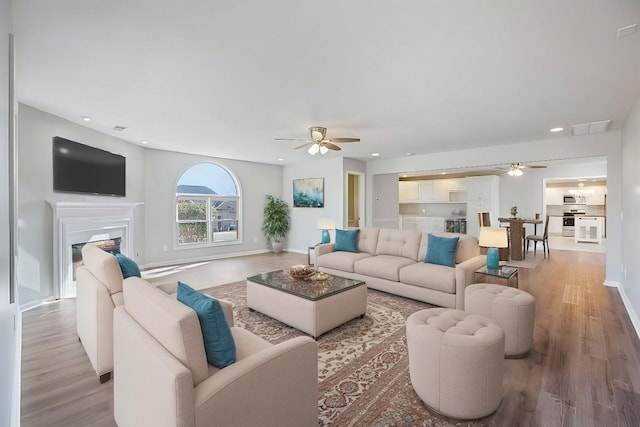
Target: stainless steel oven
[{"x": 569, "y": 218}]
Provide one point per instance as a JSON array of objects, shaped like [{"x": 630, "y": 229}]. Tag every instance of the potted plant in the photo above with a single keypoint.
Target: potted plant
[
  {"x": 276, "y": 221},
  {"x": 514, "y": 211}
]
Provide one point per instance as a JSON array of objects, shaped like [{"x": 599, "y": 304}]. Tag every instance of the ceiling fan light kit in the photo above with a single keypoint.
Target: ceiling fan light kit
[{"x": 318, "y": 143}]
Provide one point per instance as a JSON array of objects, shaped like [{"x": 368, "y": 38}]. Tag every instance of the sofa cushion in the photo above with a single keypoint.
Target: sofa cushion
[
  {"x": 382, "y": 266},
  {"x": 128, "y": 266},
  {"x": 402, "y": 243},
  {"x": 432, "y": 276},
  {"x": 441, "y": 250},
  {"x": 467, "y": 246},
  {"x": 342, "y": 261},
  {"x": 347, "y": 240},
  {"x": 218, "y": 341},
  {"x": 368, "y": 240},
  {"x": 171, "y": 323},
  {"x": 104, "y": 266}
]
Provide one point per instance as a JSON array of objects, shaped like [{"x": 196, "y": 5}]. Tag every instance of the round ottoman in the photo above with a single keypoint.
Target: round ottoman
[
  {"x": 456, "y": 362},
  {"x": 513, "y": 309}
]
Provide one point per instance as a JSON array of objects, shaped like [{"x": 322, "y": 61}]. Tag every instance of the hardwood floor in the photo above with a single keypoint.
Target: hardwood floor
[{"x": 584, "y": 369}]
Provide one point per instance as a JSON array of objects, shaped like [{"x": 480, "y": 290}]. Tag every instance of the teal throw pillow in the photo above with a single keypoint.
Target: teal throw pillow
[
  {"x": 347, "y": 240},
  {"x": 441, "y": 250},
  {"x": 218, "y": 341},
  {"x": 128, "y": 266}
]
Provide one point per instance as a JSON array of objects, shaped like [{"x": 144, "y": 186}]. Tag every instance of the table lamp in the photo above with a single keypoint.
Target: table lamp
[
  {"x": 493, "y": 238},
  {"x": 326, "y": 224}
]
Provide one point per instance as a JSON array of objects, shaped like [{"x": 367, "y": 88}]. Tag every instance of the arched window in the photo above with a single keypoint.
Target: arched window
[{"x": 207, "y": 206}]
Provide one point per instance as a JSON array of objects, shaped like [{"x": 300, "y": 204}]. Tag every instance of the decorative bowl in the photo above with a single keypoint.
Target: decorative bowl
[
  {"x": 300, "y": 271},
  {"x": 321, "y": 277}
]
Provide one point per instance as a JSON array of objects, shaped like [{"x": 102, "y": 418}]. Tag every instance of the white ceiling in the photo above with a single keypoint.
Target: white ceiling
[{"x": 224, "y": 78}]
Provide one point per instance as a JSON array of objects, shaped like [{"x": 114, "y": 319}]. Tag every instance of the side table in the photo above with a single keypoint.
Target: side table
[{"x": 506, "y": 276}]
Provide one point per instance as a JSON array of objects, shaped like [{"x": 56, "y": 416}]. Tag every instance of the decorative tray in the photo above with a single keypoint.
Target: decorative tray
[{"x": 300, "y": 271}]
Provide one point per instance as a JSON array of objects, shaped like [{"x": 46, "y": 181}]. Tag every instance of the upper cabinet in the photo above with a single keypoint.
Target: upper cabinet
[
  {"x": 596, "y": 195},
  {"x": 432, "y": 191},
  {"x": 554, "y": 195},
  {"x": 408, "y": 191}
]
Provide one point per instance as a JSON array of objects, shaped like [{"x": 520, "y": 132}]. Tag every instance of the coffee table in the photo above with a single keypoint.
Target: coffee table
[{"x": 312, "y": 306}]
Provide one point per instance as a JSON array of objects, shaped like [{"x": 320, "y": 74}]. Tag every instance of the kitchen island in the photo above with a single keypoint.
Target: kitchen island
[{"x": 588, "y": 229}]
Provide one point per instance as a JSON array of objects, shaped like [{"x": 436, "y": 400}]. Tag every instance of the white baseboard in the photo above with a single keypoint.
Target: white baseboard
[
  {"x": 202, "y": 259},
  {"x": 30, "y": 305},
  {"x": 635, "y": 321}
]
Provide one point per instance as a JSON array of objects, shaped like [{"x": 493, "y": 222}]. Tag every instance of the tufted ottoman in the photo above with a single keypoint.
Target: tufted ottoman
[
  {"x": 513, "y": 309},
  {"x": 456, "y": 362}
]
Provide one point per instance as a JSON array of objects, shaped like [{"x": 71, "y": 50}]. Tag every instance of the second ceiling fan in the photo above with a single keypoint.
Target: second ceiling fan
[{"x": 318, "y": 143}]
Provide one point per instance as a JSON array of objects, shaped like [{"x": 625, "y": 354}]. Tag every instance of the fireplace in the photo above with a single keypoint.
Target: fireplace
[
  {"x": 103, "y": 241},
  {"x": 75, "y": 224}
]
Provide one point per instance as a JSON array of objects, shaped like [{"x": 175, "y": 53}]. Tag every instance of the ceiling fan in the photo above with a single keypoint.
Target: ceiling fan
[
  {"x": 317, "y": 143},
  {"x": 516, "y": 168}
]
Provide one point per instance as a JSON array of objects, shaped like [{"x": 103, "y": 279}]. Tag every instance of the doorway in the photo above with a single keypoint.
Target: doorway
[{"x": 355, "y": 200}]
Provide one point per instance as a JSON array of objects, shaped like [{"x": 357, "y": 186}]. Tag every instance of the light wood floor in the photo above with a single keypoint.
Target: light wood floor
[{"x": 584, "y": 369}]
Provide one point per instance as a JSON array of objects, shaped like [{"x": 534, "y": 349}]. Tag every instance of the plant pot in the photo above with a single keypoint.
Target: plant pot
[{"x": 276, "y": 246}]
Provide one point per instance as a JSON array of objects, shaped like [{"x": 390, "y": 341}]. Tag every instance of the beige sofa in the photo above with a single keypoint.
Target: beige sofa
[
  {"x": 162, "y": 377},
  {"x": 98, "y": 292},
  {"x": 392, "y": 261}
]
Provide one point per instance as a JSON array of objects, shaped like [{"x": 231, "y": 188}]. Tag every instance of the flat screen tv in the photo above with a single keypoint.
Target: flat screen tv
[{"x": 79, "y": 168}]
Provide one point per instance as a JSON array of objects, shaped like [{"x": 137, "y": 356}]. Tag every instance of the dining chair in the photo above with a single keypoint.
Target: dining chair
[{"x": 544, "y": 239}]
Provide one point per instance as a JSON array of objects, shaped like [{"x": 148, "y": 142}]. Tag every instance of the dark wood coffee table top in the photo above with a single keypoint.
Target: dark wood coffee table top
[{"x": 310, "y": 288}]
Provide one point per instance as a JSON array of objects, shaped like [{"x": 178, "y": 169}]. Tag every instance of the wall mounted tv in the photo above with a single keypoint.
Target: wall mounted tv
[{"x": 79, "y": 168}]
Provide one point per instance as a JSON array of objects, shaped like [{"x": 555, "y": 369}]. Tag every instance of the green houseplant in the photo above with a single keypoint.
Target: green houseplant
[
  {"x": 514, "y": 211},
  {"x": 276, "y": 221}
]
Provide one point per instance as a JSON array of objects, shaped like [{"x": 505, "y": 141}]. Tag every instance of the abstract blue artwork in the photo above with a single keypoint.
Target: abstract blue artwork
[{"x": 308, "y": 193}]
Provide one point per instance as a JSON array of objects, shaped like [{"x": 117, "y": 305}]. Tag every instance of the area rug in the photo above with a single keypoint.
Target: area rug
[{"x": 363, "y": 365}]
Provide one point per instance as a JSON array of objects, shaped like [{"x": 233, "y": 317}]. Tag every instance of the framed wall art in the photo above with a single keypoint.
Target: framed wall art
[{"x": 308, "y": 193}]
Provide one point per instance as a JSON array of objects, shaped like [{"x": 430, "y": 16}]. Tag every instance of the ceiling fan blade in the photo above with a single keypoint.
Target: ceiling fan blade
[
  {"x": 290, "y": 139},
  {"x": 343, "y": 140},
  {"x": 331, "y": 146},
  {"x": 306, "y": 144},
  {"x": 533, "y": 166}
]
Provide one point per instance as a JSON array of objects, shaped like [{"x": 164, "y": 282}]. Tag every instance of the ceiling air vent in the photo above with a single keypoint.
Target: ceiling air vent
[
  {"x": 627, "y": 31},
  {"x": 590, "y": 128},
  {"x": 119, "y": 128}
]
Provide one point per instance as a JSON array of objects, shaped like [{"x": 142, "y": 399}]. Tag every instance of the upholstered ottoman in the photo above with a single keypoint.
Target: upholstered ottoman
[
  {"x": 513, "y": 309},
  {"x": 456, "y": 362}
]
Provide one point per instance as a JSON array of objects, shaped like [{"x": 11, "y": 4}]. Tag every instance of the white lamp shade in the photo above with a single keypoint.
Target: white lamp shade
[
  {"x": 326, "y": 224},
  {"x": 493, "y": 237},
  {"x": 323, "y": 149},
  {"x": 313, "y": 150}
]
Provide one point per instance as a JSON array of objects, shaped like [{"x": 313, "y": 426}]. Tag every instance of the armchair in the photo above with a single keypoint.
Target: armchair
[
  {"x": 163, "y": 378},
  {"x": 98, "y": 292}
]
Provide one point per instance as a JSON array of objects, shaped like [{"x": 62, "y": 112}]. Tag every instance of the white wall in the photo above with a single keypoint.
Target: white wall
[
  {"x": 162, "y": 170},
  {"x": 9, "y": 338},
  {"x": 304, "y": 221},
  {"x": 605, "y": 144},
  {"x": 630, "y": 281},
  {"x": 35, "y": 187}
]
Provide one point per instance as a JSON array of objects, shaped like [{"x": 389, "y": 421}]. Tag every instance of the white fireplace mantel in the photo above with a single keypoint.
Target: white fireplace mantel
[{"x": 77, "y": 222}]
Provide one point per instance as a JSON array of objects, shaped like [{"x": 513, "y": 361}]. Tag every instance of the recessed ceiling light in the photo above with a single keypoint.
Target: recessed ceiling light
[
  {"x": 556, "y": 130},
  {"x": 409, "y": 154},
  {"x": 119, "y": 128},
  {"x": 443, "y": 173},
  {"x": 144, "y": 141},
  {"x": 280, "y": 159},
  {"x": 375, "y": 154},
  {"x": 86, "y": 118}
]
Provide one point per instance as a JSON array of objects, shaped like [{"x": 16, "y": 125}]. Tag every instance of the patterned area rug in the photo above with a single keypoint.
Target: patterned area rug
[{"x": 363, "y": 365}]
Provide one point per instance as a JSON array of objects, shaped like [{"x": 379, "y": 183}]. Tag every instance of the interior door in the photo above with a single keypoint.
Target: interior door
[{"x": 355, "y": 194}]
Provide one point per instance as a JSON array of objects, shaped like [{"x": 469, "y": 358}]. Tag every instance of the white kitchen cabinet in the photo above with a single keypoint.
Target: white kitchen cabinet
[
  {"x": 588, "y": 229},
  {"x": 483, "y": 195},
  {"x": 426, "y": 191},
  {"x": 408, "y": 191},
  {"x": 554, "y": 195},
  {"x": 555, "y": 225},
  {"x": 595, "y": 195}
]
